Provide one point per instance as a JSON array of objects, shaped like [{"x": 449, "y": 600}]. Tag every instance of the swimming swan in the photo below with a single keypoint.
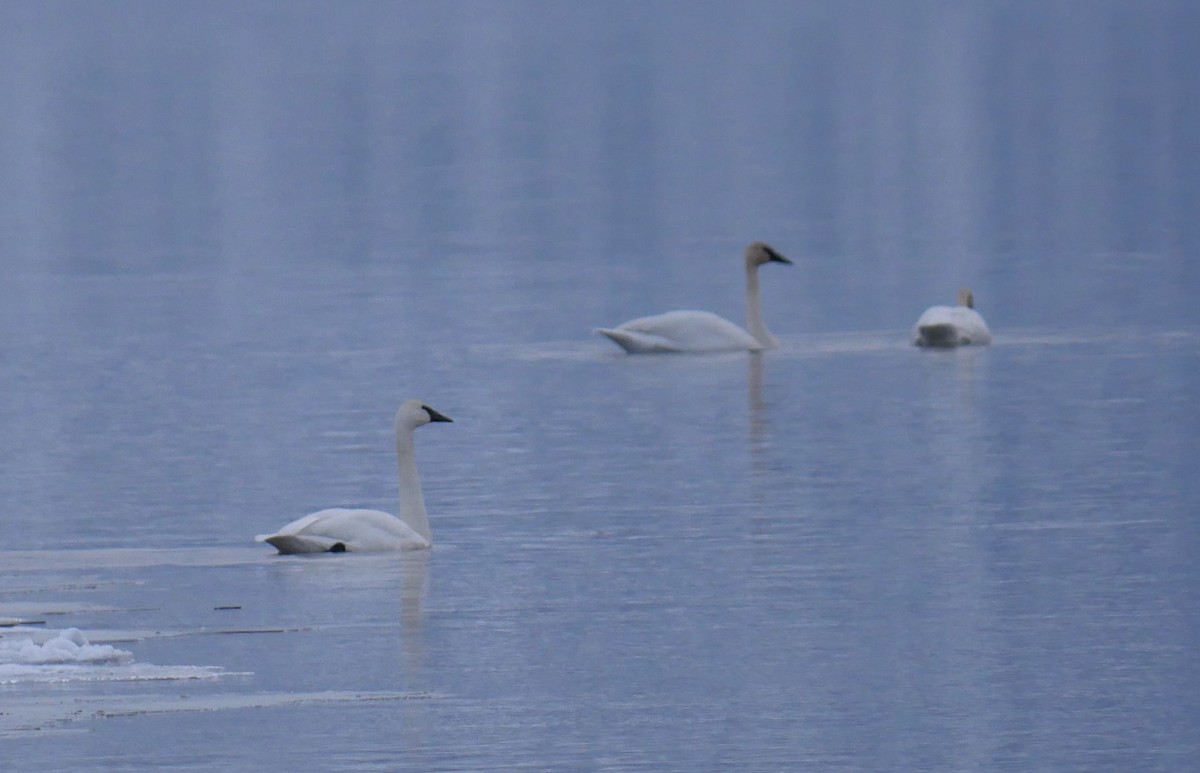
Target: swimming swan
[
  {"x": 702, "y": 331},
  {"x": 338, "y": 530},
  {"x": 957, "y": 325}
]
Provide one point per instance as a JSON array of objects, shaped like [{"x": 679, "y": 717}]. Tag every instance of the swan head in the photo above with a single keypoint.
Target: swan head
[
  {"x": 414, "y": 413},
  {"x": 758, "y": 253},
  {"x": 966, "y": 297}
]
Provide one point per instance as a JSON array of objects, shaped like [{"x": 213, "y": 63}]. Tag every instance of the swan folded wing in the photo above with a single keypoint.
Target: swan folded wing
[
  {"x": 300, "y": 543},
  {"x": 971, "y": 327},
  {"x": 636, "y": 342},
  {"x": 937, "y": 334},
  {"x": 935, "y": 327},
  {"x": 682, "y": 331},
  {"x": 352, "y": 530}
]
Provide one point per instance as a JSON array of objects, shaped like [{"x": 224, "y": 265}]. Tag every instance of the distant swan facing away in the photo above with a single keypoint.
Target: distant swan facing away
[
  {"x": 703, "y": 331},
  {"x": 338, "y": 530},
  {"x": 948, "y": 326}
]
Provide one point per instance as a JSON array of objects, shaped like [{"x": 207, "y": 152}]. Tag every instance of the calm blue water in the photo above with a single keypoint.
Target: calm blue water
[{"x": 237, "y": 236}]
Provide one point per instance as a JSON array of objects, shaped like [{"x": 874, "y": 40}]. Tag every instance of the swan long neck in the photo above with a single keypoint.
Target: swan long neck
[
  {"x": 754, "y": 317},
  {"x": 412, "y": 503}
]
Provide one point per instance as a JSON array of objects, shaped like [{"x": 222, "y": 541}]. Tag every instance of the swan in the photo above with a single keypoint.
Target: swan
[
  {"x": 703, "y": 331},
  {"x": 338, "y": 530},
  {"x": 957, "y": 325}
]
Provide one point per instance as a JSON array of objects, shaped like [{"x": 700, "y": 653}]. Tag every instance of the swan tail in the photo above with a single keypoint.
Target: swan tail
[
  {"x": 636, "y": 343},
  {"x": 302, "y": 543},
  {"x": 939, "y": 334}
]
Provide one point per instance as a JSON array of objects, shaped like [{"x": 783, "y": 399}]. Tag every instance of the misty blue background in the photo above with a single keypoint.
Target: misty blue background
[{"x": 238, "y": 235}]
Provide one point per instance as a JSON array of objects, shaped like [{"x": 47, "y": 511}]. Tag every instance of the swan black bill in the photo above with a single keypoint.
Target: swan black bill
[
  {"x": 776, "y": 257},
  {"x": 435, "y": 416}
]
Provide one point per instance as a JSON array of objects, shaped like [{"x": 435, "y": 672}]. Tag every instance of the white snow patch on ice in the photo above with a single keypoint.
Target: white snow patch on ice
[
  {"x": 68, "y": 656},
  {"x": 69, "y": 646}
]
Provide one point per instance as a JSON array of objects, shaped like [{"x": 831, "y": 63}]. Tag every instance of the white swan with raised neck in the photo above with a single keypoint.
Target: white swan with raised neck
[
  {"x": 703, "y": 331},
  {"x": 338, "y": 529}
]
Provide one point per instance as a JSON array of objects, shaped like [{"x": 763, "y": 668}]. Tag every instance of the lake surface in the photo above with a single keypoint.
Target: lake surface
[{"x": 237, "y": 236}]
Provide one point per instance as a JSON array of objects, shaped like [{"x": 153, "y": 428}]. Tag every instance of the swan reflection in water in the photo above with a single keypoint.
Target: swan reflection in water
[
  {"x": 412, "y": 594},
  {"x": 758, "y": 413}
]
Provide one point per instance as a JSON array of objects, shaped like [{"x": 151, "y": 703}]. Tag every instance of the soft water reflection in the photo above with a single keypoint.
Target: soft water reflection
[
  {"x": 412, "y": 590},
  {"x": 755, "y": 376}
]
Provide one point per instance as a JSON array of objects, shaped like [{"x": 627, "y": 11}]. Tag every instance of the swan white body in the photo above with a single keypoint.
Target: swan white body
[
  {"x": 339, "y": 529},
  {"x": 946, "y": 326},
  {"x": 703, "y": 331},
  {"x": 681, "y": 331}
]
